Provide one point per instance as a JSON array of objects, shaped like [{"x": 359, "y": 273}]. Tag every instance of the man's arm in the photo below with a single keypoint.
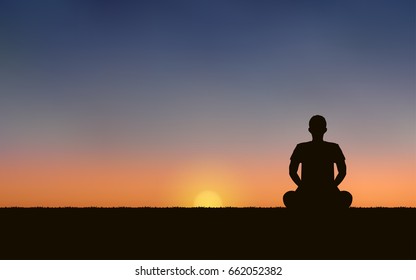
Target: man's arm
[
  {"x": 293, "y": 172},
  {"x": 342, "y": 171}
]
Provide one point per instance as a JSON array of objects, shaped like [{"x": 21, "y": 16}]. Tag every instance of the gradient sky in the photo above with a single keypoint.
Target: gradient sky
[{"x": 149, "y": 103}]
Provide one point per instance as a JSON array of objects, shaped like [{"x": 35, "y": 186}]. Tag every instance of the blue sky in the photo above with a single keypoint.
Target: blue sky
[{"x": 206, "y": 77}]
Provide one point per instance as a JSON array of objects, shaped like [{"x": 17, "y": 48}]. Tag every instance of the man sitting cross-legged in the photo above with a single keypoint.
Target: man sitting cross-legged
[{"x": 317, "y": 187}]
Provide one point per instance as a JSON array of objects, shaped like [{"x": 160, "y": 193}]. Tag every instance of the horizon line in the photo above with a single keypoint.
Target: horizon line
[{"x": 183, "y": 207}]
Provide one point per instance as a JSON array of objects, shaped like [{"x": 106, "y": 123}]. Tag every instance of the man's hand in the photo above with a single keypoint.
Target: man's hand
[{"x": 300, "y": 186}]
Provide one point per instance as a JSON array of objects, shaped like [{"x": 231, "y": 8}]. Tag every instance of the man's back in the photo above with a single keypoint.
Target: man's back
[{"x": 317, "y": 158}]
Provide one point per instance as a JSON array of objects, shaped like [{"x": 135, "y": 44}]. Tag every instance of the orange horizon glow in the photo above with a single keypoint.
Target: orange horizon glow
[{"x": 261, "y": 182}]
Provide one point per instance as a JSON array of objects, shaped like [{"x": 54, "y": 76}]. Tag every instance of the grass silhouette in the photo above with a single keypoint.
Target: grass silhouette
[{"x": 206, "y": 233}]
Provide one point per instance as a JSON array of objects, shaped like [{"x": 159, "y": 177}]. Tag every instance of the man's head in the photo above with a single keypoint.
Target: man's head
[{"x": 317, "y": 126}]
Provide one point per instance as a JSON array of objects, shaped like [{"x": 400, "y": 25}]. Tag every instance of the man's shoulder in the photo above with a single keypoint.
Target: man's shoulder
[
  {"x": 331, "y": 144},
  {"x": 311, "y": 145},
  {"x": 303, "y": 144},
  {"x": 303, "y": 147}
]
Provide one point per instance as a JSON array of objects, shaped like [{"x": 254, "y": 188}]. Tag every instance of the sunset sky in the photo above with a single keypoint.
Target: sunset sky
[{"x": 160, "y": 103}]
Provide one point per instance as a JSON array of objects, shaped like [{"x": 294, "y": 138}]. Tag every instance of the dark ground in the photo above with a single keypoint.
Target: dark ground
[{"x": 201, "y": 233}]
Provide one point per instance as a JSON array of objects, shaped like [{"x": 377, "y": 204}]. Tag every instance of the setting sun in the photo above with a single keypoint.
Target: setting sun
[{"x": 208, "y": 199}]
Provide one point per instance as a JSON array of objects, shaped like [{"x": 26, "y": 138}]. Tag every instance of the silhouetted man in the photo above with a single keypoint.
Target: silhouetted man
[{"x": 317, "y": 187}]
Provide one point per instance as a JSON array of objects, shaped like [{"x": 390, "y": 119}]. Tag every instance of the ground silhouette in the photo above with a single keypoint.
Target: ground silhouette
[
  {"x": 317, "y": 187},
  {"x": 206, "y": 233}
]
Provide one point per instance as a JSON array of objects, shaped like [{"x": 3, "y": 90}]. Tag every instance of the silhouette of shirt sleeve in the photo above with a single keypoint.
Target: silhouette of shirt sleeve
[
  {"x": 338, "y": 155},
  {"x": 297, "y": 154},
  {"x": 308, "y": 151}
]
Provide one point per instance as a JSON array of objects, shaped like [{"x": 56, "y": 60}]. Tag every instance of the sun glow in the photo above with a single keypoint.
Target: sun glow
[{"x": 208, "y": 199}]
